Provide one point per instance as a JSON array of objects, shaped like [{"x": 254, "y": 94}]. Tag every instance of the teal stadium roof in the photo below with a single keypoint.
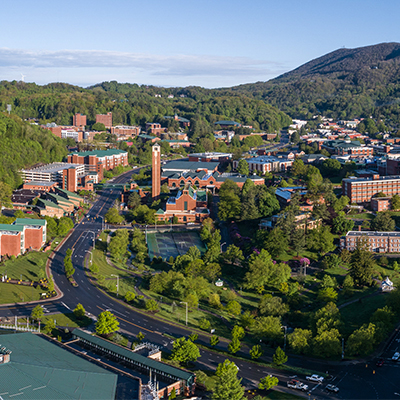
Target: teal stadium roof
[
  {"x": 30, "y": 221},
  {"x": 39, "y": 369},
  {"x": 98, "y": 153}
]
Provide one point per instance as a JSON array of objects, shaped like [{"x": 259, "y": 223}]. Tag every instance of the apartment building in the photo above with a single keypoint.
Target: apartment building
[
  {"x": 105, "y": 119},
  {"x": 24, "y": 234},
  {"x": 361, "y": 190},
  {"x": 379, "y": 242},
  {"x": 125, "y": 132},
  {"x": 79, "y": 120},
  {"x": 99, "y": 160}
]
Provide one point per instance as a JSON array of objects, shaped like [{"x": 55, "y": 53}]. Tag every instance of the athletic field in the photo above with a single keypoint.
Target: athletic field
[{"x": 173, "y": 244}]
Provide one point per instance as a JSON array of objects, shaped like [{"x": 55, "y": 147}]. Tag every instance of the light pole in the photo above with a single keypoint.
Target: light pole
[
  {"x": 342, "y": 348},
  {"x": 117, "y": 282},
  {"x": 222, "y": 245},
  {"x": 284, "y": 341},
  {"x": 91, "y": 257},
  {"x": 184, "y": 302}
]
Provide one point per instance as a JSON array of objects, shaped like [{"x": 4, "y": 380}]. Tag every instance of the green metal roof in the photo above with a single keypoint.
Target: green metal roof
[
  {"x": 12, "y": 228},
  {"x": 160, "y": 212},
  {"x": 122, "y": 351},
  {"x": 39, "y": 369},
  {"x": 201, "y": 195},
  {"x": 47, "y": 203},
  {"x": 70, "y": 194},
  {"x": 30, "y": 221},
  {"x": 98, "y": 153}
]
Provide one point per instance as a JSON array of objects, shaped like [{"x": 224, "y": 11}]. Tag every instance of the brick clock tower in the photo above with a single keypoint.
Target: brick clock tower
[{"x": 156, "y": 171}]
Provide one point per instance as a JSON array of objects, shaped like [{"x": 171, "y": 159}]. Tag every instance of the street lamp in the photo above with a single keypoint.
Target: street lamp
[
  {"x": 117, "y": 282},
  {"x": 342, "y": 348},
  {"x": 284, "y": 341},
  {"x": 184, "y": 302},
  {"x": 222, "y": 245},
  {"x": 91, "y": 257}
]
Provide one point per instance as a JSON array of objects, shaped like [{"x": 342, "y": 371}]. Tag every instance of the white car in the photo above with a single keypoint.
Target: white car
[
  {"x": 315, "y": 378},
  {"x": 396, "y": 356}
]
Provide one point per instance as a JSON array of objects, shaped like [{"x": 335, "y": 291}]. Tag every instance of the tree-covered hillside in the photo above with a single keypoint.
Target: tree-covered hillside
[
  {"x": 23, "y": 145},
  {"x": 346, "y": 83},
  {"x": 135, "y": 105}
]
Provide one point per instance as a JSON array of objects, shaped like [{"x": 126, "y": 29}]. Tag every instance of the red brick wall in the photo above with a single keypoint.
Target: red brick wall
[
  {"x": 33, "y": 238},
  {"x": 10, "y": 244},
  {"x": 105, "y": 119},
  {"x": 79, "y": 120},
  {"x": 156, "y": 172}
]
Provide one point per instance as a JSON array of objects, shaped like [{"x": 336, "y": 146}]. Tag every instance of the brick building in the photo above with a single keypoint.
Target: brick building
[
  {"x": 105, "y": 119},
  {"x": 207, "y": 157},
  {"x": 125, "y": 132},
  {"x": 24, "y": 234},
  {"x": 347, "y": 147},
  {"x": 79, "y": 120},
  {"x": 99, "y": 160},
  {"x": 155, "y": 128},
  {"x": 381, "y": 203},
  {"x": 379, "y": 242},
  {"x": 189, "y": 205},
  {"x": 361, "y": 190},
  {"x": 156, "y": 171}
]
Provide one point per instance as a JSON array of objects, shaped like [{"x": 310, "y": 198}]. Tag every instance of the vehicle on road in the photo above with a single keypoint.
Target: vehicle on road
[
  {"x": 332, "y": 388},
  {"x": 380, "y": 362},
  {"x": 295, "y": 384},
  {"x": 396, "y": 356},
  {"x": 315, "y": 378}
]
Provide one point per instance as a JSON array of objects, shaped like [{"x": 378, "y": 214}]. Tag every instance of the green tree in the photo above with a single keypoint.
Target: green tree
[
  {"x": 321, "y": 240},
  {"x": 298, "y": 241},
  {"x": 214, "y": 340},
  {"x": 184, "y": 351},
  {"x": 361, "y": 341},
  {"x": 227, "y": 385},
  {"x": 272, "y": 305},
  {"x": 98, "y": 126},
  {"x": 79, "y": 311},
  {"x": 129, "y": 296},
  {"x": 106, "y": 323},
  {"x": 276, "y": 243},
  {"x": 395, "y": 203},
  {"x": 113, "y": 217},
  {"x": 37, "y": 313},
  {"x": 139, "y": 337},
  {"x": 243, "y": 167},
  {"x": 268, "y": 382},
  {"x": 327, "y": 343},
  {"x": 362, "y": 264},
  {"x": 233, "y": 307},
  {"x": 327, "y": 294},
  {"x": 237, "y": 332},
  {"x": 234, "y": 346},
  {"x": 49, "y": 327},
  {"x": 279, "y": 357},
  {"x": 151, "y": 305},
  {"x": 65, "y": 224},
  {"x": 383, "y": 222},
  {"x": 268, "y": 328},
  {"x": 204, "y": 324},
  {"x": 341, "y": 224},
  {"x": 256, "y": 352},
  {"x": 300, "y": 340},
  {"x": 134, "y": 200},
  {"x": 233, "y": 254},
  {"x": 94, "y": 269}
]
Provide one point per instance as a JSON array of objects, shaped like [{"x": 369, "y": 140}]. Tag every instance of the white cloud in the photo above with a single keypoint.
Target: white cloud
[{"x": 172, "y": 69}]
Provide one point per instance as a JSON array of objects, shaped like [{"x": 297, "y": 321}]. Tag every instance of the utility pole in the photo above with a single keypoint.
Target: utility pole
[
  {"x": 117, "y": 282},
  {"x": 184, "y": 302},
  {"x": 284, "y": 341},
  {"x": 342, "y": 348}
]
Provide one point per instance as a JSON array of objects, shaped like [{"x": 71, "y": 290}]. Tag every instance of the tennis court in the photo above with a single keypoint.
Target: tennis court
[{"x": 173, "y": 244}]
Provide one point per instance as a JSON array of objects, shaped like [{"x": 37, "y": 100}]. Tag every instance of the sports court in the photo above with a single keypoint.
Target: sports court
[{"x": 167, "y": 244}]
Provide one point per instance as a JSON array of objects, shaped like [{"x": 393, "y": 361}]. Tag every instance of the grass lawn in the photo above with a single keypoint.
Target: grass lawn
[
  {"x": 67, "y": 320},
  {"x": 17, "y": 293},
  {"x": 360, "y": 216},
  {"x": 27, "y": 267},
  {"x": 360, "y": 312}
]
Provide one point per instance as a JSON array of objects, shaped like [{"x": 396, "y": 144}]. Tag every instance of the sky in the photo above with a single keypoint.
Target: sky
[{"x": 208, "y": 43}]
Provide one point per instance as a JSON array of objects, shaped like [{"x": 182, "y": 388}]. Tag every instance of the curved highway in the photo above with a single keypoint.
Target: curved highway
[{"x": 355, "y": 381}]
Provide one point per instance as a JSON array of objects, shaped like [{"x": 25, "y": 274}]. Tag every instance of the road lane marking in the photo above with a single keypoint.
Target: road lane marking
[{"x": 138, "y": 326}]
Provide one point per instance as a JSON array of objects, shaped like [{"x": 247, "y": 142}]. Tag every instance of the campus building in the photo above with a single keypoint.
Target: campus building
[
  {"x": 265, "y": 164},
  {"x": 22, "y": 235},
  {"x": 156, "y": 171},
  {"x": 379, "y": 242},
  {"x": 361, "y": 190},
  {"x": 105, "y": 119},
  {"x": 70, "y": 176},
  {"x": 188, "y": 205},
  {"x": 79, "y": 120},
  {"x": 99, "y": 160},
  {"x": 125, "y": 132}
]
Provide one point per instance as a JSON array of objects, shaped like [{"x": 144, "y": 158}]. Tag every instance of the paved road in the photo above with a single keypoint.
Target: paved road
[{"x": 356, "y": 381}]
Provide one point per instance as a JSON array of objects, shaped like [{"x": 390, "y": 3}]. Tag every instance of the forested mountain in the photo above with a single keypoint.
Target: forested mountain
[
  {"x": 132, "y": 104},
  {"x": 346, "y": 83},
  {"x": 23, "y": 145}
]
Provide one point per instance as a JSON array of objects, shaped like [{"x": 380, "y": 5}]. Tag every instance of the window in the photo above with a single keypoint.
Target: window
[{"x": 185, "y": 206}]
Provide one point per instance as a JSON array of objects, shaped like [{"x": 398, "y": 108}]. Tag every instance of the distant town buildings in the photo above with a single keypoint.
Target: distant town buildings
[
  {"x": 379, "y": 242},
  {"x": 105, "y": 119}
]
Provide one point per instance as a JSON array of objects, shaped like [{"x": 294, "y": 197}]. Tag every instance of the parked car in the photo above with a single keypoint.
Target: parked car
[
  {"x": 315, "y": 378},
  {"x": 295, "y": 384},
  {"x": 396, "y": 356},
  {"x": 332, "y": 388},
  {"x": 380, "y": 362}
]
